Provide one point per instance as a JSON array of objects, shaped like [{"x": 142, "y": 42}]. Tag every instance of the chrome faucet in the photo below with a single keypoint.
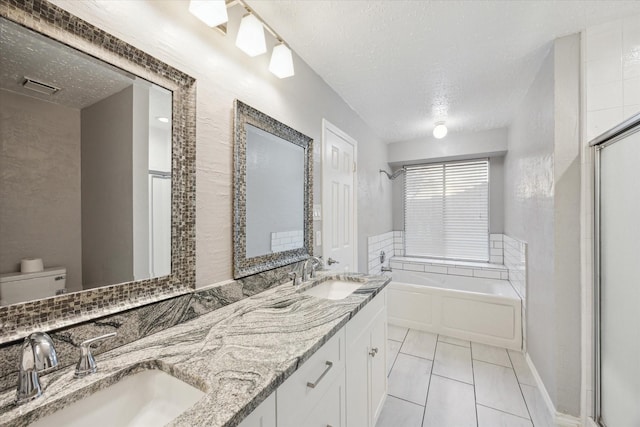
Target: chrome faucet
[
  {"x": 315, "y": 263},
  {"x": 38, "y": 354}
]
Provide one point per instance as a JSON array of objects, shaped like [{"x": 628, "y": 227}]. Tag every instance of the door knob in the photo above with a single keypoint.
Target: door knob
[
  {"x": 373, "y": 352},
  {"x": 331, "y": 261}
]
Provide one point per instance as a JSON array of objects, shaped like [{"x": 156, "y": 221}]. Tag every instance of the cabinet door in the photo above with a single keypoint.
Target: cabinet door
[
  {"x": 357, "y": 370},
  {"x": 263, "y": 416},
  {"x": 378, "y": 363},
  {"x": 330, "y": 410}
]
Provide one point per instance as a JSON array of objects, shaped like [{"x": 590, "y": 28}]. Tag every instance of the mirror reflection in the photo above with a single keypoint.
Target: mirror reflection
[
  {"x": 275, "y": 193},
  {"x": 85, "y": 171}
]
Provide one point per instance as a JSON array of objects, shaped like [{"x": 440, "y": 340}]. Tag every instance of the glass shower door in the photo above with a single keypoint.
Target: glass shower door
[{"x": 619, "y": 280}]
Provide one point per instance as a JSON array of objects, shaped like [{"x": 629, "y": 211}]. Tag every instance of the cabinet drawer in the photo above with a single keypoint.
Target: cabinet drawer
[{"x": 295, "y": 397}]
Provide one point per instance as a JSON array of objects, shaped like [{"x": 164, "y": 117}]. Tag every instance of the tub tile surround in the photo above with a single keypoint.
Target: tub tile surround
[
  {"x": 238, "y": 355},
  {"x": 139, "y": 322},
  {"x": 376, "y": 244},
  {"x": 515, "y": 259}
]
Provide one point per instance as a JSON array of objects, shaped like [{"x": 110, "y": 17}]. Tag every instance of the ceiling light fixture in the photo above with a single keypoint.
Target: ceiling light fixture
[
  {"x": 281, "y": 61},
  {"x": 211, "y": 12},
  {"x": 440, "y": 130},
  {"x": 250, "y": 38}
]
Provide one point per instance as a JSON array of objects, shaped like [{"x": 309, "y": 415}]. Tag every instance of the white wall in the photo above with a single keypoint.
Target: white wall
[
  {"x": 541, "y": 193},
  {"x": 611, "y": 93},
  {"x": 107, "y": 190},
  {"x": 224, "y": 73},
  {"x": 455, "y": 146},
  {"x": 40, "y": 185}
]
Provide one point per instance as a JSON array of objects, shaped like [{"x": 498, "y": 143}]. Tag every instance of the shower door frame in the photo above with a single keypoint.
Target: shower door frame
[{"x": 617, "y": 133}]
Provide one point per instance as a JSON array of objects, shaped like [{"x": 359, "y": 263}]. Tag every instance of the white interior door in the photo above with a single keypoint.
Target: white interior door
[{"x": 339, "y": 199}]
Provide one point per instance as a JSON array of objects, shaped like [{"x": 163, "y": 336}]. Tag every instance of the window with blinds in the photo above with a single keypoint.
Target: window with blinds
[{"x": 446, "y": 210}]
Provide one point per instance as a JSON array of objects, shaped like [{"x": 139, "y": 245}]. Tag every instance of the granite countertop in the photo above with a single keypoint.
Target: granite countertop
[{"x": 238, "y": 355}]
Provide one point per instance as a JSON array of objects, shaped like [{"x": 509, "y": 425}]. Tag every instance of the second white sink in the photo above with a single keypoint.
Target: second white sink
[
  {"x": 148, "y": 398},
  {"x": 334, "y": 289}
]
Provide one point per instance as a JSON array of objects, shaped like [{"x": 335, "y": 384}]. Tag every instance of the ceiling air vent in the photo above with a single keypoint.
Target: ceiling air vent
[{"x": 39, "y": 87}]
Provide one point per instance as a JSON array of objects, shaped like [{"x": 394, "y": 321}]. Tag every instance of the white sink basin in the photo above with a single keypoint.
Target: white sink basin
[
  {"x": 334, "y": 289},
  {"x": 148, "y": 398}
]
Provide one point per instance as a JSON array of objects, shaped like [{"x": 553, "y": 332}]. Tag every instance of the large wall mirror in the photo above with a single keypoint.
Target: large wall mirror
[
  {"x": 97, "y": 154},
  {"x": 272, "y": 193}
]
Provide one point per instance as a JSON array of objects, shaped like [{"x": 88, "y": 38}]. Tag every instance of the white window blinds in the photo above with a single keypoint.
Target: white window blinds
[{"x": 446, "y": 210}]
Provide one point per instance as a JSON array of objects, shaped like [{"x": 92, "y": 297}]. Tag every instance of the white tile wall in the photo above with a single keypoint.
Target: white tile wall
[
  {"x": 455, "y": 268},
  {"x": 612, "y": 74},
  {"x": 286, "y": 240},
  {"x": 375, "y": 245},
  {"x": 496, "y": 255},
  {"x": 398, "y": 243},
  {"x": 610, "y": 57},
  {"x": 515, "y": 259}
]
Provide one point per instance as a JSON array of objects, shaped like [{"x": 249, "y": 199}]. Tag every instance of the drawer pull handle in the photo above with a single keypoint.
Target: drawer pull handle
[
  {"x": 313, "y": 385},
  {"x": 373, "y": 352}
]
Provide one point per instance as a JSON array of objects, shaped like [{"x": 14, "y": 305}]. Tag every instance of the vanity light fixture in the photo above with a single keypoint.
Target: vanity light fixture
[
  {"x": 211, "y": 12},
  {"x": 281, "y": 61},
  {"x": 250, "y": 38},
  {"x": 440, "y": 130}
]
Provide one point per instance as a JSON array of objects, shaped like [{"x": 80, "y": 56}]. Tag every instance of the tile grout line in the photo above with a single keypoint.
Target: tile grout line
[
  {"x": 405, "y": 400},
  {"x": 495, "y": 364},
  {"x": 502, "y": 411},
  {"x": 419, "y": 357},
  {"x": 453, "y": 379},
  {"x": 526, "y": 405},
  {"x": 475, "y": 396},
  {"x": 433, "y": 362},
  {"x": 398, "y": 353}
]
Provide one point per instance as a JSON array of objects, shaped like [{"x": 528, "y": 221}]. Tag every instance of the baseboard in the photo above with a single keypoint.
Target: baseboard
[
  {"x": 559, "y": 419},
  {"x": 591, "y": 423}
]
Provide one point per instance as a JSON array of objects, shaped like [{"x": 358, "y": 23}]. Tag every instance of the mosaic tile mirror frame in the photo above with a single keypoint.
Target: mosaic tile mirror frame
[
  {"x": 55, "y": 312},
  {"x": 244, "y": 264}
]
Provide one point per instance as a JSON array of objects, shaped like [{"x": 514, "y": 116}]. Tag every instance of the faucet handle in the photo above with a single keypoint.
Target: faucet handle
[
  {"x": 294, "y": 276},
  {"x": 87, "y": 364}
]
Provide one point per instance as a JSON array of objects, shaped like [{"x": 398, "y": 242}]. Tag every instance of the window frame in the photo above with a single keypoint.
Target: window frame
[{"x": 404, "y": 200}]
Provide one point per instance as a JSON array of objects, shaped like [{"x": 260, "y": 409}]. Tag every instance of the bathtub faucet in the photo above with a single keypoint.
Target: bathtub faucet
[{"x": 384, "y": 269}]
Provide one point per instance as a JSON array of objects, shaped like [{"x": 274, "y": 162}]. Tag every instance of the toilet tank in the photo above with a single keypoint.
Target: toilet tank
[{"x": 21, "y": 287}]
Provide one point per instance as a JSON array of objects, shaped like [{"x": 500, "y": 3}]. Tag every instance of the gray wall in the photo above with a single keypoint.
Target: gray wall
[
  {"x": 541, "y": 193},
  {"x": 40, "y": 185},
  {"x": 107, "y": 199},
  {"x": 224, "y": 73},
  {"x": 496, "y": 198}
]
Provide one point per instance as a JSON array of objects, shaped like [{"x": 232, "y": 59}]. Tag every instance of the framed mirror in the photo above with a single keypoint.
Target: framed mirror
[
  {"x": 273, "y": 193},
  {"x": 98, "y": 171}
]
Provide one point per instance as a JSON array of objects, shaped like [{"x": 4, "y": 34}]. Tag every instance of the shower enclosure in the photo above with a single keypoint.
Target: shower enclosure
[{"x": 617, "y": 275}]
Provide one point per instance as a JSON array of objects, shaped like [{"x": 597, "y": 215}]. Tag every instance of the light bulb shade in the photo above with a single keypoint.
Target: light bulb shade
[
  {"x": 440, "y": 131},
  {"x": 250, "y": 38},
  {"x": 211, "y": 12},
  {"x": 281, "y": 61}
]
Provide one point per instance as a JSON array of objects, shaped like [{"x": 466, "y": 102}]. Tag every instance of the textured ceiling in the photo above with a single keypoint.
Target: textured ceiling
[
  {"x": 403, "y": 65},
  {"x": 82, "y": 80}
]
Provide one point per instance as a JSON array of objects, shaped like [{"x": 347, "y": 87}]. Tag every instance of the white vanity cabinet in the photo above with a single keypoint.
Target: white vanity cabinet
[
  {"x": 366, "y": 379},
  {"x": 263, "y": 416},
  {"x": 314, "y": 394},
  {"x": 343, "y": 384}
]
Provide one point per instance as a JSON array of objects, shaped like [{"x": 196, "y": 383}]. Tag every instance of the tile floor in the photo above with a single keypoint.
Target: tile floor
[{"x": 439, "y": 381}]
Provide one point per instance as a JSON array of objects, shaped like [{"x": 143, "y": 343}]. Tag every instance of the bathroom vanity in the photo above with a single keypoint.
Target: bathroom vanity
[{"x": 263, "y": 352}]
